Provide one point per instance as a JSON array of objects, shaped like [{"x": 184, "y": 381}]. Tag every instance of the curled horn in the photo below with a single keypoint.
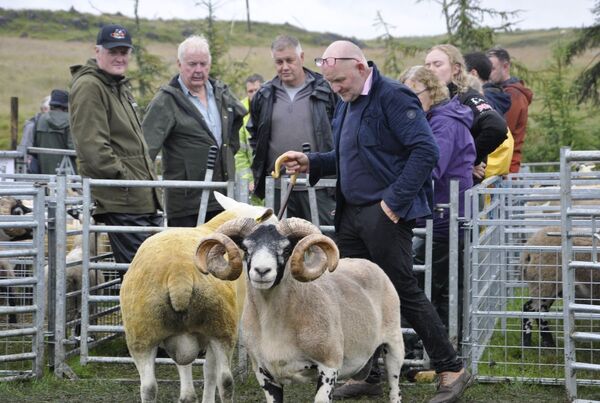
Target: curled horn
[
  {"x": 296, "y": 228},
  {"x": 313, "y": 267},
  {"x": 209, "y": 253}
]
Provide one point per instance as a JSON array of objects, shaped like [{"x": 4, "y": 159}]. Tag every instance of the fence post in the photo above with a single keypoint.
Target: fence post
[
  {"x": 60, "y": 230},
  {"x": 14, "y": 122}
]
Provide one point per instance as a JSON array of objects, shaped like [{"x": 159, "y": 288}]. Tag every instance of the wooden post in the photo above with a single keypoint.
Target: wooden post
[{"x": 14, "y": 122}]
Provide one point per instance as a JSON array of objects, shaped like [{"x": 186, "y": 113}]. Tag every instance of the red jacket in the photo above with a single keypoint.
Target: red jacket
[{"x": 516, "y": 117}]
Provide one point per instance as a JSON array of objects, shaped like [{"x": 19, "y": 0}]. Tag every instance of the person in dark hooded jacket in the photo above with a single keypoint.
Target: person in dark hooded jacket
[
  {"x": 479, "y": 65},
  {"x": 52, "y": 131}
]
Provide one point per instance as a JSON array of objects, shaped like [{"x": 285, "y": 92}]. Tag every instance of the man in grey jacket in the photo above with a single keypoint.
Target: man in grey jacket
[
  {"x": 185, "y": 118},
  {"x": 294, "y": 108}
]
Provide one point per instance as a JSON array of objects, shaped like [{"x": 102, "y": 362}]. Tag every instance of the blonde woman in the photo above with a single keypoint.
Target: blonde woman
[
  {"x": 489, "y": 127},
  {"x": 450, "y": 122}
]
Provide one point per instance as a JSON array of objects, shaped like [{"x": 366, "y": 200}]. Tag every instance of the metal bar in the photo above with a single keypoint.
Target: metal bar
[
  {"x": 60, "y": 286},
  {"x": 453, "y": 246},
  {"x": 585, "y": 336},
  {"x": 105, "y": 329},
  {"x": 26, "y": 331},
  {"x": 128, "y": 360},
  {"x": 17, "y": 357},
  {"x": 210, "y": 166}
]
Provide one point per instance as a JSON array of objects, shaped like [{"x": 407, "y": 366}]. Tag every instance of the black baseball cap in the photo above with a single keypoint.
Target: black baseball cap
[{"x": 113, "y": 35}]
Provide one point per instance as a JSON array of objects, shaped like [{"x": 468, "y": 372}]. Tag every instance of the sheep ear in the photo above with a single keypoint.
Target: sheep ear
[
  {"x": 226, "y": 202},
  {"x": 268, "y": 213}
]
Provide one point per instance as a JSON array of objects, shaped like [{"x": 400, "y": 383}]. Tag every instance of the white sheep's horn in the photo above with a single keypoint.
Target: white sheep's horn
[
  {"x": 310, "y": 269},
  {"x": 209, "y": 257}
]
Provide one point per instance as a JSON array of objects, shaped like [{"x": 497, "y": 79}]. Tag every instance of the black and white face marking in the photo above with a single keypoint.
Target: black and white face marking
[
  {"x": 266, "y": 253},
  {"x": 20, "y": 209}
]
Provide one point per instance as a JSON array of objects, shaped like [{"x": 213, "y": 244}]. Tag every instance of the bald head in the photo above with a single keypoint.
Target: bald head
[
  {"x": 346, "y": 69},
  {"x": 345, "y": 49}
]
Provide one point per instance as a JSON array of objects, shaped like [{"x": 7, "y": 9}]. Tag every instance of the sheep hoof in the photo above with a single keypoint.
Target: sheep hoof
[{"x": 188, "y": 399}]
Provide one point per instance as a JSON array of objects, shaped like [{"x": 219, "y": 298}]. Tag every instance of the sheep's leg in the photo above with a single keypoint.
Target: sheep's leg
[
  {"x": 394, "y": 357},
  {"x": 527, "y": 323},
  {"x": 217, "y": 373},
  {"x": 326, "y": 383},
  {"x": 273, "y": 390},
  {"x": 144, "y": 362},
  {"x": 545, "y": 332},
  {"x": 187, "y": 394}
]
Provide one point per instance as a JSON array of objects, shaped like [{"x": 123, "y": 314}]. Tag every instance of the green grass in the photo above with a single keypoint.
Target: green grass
[
  {"x": 119, "y": 383},
  {"x": 506, "y": 357}
]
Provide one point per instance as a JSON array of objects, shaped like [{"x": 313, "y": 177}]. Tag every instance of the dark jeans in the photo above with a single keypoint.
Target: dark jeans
[
  {"x": 125, "y": 244},
  {"x": 191, "y": 220},
  {"x": 299, "y": 206},
  {"x": 366, "y": 232},
  {"x": 440, "y": 283}
]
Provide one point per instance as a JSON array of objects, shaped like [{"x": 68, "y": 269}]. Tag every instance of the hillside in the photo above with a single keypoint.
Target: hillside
[{"x": 37, "y": 47}]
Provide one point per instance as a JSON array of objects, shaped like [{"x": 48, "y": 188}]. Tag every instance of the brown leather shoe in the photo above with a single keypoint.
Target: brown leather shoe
[
  {"x": 451, "y": 386},
  {"x": 354, "y": 389}
]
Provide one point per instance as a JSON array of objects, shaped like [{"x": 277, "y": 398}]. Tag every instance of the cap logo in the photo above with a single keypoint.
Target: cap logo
[{"x": 118, "y": 34}]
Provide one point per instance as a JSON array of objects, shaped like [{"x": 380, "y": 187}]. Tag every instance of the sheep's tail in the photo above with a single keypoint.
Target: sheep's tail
[{"x": 180, "y": 287}]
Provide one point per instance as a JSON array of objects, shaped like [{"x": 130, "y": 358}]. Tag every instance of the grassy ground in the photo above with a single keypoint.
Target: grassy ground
[{"x": 119, "y": 383}]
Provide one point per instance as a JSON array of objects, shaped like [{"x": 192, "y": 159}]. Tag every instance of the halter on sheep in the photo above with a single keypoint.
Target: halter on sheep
[{"x": 298, "y": 322}]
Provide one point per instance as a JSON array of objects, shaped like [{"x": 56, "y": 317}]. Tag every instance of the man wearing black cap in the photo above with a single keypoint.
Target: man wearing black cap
[
  {"x": 52, "y": 131},
  {"x": 109, "y": 142}
]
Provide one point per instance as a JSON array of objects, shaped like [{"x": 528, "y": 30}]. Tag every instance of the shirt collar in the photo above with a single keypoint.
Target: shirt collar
[
  {"x": 368, "y": 84},
  {"x": 186, "y": 91}
]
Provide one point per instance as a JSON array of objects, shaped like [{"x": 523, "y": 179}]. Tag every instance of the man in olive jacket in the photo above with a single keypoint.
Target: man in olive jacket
[
  {"x": 108, "y": 139},
  {"x": 185, "y": 118}
]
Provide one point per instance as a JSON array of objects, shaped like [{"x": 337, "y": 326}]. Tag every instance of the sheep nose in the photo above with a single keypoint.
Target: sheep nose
[{"x": 261, "y": 271}]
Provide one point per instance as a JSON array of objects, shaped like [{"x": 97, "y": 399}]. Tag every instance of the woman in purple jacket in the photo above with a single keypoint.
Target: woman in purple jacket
[{"x": 450, "y": 122}]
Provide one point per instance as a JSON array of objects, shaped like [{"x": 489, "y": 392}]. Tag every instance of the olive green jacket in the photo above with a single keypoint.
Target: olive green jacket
[
  {"x": 108, "y": 139},
  {"x": 174, "y": 125}
]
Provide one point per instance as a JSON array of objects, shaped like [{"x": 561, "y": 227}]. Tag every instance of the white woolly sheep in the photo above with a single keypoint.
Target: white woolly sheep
[
  {"x": 166, "y": 301},
  {"x": 73, "y": 279},
  {"x": 299, "y": 323},
  {"x": 543, "y": 273}
]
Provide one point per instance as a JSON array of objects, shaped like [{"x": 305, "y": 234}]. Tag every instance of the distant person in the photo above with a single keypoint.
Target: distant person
[
  {"x": 489, "y": 127},
  {"x": 31, "y": 160},
  {"x": 294, "y": 108},
  {"x": 479, "y": 67},
  {"x": 520, "y": 96},
  {"x": 243, "y": 158},
  {"x": 109, "y": 142},
  {"x": 52, "y": 131},
  {"x": 185, "y": 118}
]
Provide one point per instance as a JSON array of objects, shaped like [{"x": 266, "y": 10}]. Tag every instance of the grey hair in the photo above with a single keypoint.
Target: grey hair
[
  {"x": 45, "y": 103},
  {"x": 194, "y": 42},
  {"x": 285, "y": 41}
]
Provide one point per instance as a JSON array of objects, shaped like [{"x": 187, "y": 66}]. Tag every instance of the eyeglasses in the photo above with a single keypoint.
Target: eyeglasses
[
  {"x": 330, "y": 61},
  {"x": 420, "y": 92}
]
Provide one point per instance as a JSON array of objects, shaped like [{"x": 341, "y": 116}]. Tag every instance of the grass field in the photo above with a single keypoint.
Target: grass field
[{"x": 119, "y": 383}]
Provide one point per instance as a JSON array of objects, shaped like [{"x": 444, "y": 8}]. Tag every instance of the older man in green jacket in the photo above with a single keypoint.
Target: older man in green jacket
[
  {"x": 185, "y": 118},
  {"x": 109, "y": 141}
]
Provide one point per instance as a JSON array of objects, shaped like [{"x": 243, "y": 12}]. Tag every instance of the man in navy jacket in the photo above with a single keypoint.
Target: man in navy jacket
[{"x": 384, "y": 154}]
